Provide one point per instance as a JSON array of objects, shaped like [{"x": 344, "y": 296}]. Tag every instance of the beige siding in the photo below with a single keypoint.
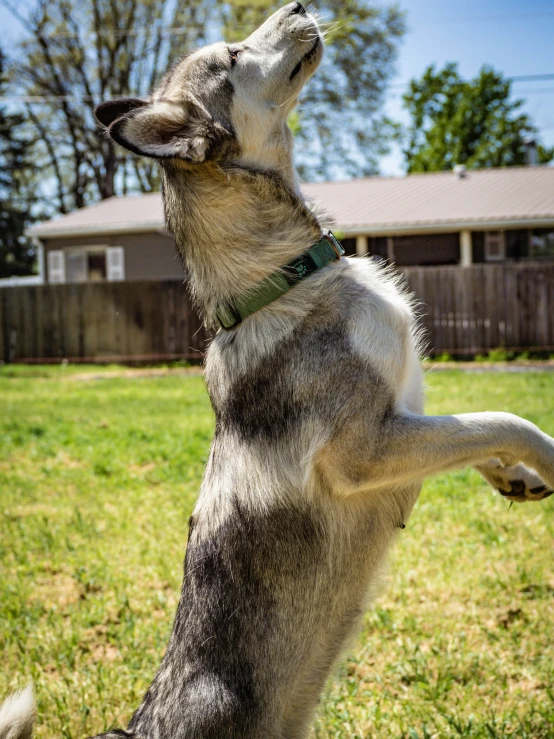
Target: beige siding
[{"x": 148, "y": 256}]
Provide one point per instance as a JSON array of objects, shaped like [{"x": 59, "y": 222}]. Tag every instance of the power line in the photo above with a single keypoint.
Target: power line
[
  {"x": 532, "y": 77},
  {"x": 537, "y": 91},
  {"x": 47, "y": 99},
  {"x": 112, "y": 33},
  {"x": 517, "y": 78},
  {"x": 182, "y": 30},
  {"x": 485, "y": 18},
  {"x": 44, "y": 99}
]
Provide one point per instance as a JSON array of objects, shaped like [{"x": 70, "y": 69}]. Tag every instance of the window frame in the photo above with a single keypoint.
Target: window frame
[
  {"x": 491, "y": 256},
  {"x": 113, "y": 273}
]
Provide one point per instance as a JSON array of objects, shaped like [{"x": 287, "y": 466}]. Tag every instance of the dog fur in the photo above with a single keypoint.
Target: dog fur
[{"x": 321, "y": 444}]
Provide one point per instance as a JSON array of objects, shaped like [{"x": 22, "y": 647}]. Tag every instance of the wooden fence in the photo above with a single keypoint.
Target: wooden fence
[
  {"x": 99, "y": 322},
  {"x": 464, "y": 311},
  {"x": 470, "y": 310}
]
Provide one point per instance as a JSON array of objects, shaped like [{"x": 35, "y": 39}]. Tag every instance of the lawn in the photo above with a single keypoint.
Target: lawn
[{"x": 97, "y": 481}]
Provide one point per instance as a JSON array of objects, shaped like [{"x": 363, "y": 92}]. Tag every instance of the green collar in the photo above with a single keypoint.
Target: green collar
[{"x": 280, "y": 282}]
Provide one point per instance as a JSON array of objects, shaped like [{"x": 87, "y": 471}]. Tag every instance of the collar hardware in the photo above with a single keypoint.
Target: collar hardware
[
  {"x": 327, "y": 250},
  {"x": 335, "y": 243}
]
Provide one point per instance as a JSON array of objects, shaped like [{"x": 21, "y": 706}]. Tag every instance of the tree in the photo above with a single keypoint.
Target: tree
[
  {"x": 16, "y": 201},
  {"x": 340, "y": 122},
  {"x": 78, "y": 53},
  {"x": 475, "y": 123}
]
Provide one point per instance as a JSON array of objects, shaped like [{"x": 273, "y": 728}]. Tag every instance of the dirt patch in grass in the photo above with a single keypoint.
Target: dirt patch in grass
[
  {"x": 138, "y": 374},
  {"x": 56, "y": 590}
]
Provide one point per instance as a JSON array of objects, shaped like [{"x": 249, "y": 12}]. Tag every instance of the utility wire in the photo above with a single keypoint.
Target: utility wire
[
  {"x": 487, "y": 18},
  {"x": 44, "y": 99},
  {"x": 517, "y": 78},
  {"x": 181, "y": 30}
]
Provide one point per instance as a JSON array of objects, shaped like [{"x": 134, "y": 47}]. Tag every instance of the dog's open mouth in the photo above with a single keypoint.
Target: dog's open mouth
[{"x": 306, "y": 58}]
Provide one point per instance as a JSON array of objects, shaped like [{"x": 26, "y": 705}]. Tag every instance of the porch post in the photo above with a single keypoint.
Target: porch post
[
  {"x": 466, "y": 249},
  {"x": 361, "y": 246},
  {"x": 390, "y": 249}
]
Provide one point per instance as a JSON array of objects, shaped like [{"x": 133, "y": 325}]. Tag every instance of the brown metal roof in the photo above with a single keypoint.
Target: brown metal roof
[
  {"x": 134, "y": 213},
  {"x": 487, "y": 198}
]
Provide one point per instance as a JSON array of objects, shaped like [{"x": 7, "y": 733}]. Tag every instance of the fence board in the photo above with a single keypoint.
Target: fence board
[
  {"x": 123, "y": 321},
  {"x": 464, "y": 311}
]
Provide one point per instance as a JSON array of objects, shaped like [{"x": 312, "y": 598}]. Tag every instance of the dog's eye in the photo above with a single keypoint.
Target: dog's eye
[{"x": 234, "y": 55}]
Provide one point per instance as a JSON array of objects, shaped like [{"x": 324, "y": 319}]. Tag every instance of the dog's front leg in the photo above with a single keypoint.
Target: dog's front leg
[
  {"x": 517, "y": 483},
  {"x": 409, "y": 447}
]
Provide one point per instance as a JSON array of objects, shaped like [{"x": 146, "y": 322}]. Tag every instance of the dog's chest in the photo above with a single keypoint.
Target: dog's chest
[{"x": 309, "y": 376}]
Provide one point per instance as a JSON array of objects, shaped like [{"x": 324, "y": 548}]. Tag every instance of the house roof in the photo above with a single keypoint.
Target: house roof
[{"x": 487, "y": 198}]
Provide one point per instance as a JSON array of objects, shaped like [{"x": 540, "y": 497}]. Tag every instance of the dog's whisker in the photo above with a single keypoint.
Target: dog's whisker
[
  {"x": 288, "y": 100},
  {"x": 328, "y": 26}
]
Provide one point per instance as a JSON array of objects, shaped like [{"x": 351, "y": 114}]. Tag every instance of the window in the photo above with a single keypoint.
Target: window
[
  {"x": 495, "y": 247},
  {"x": 424, "y": 249},
  {"x": 87, "y": 264},
  {"x": 96, "y": 264},
  {"x": 76, "y": 267},
  {"x": 541, "y": 243},
  {"x": 349, "y": 246}
]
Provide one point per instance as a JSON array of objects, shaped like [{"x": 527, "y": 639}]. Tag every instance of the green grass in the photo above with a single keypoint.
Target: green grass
[{"x": 97, "y": 481}]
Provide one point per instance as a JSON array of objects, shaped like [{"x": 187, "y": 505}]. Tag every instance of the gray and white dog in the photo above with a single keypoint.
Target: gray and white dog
[{"x": 321, "y": 444}]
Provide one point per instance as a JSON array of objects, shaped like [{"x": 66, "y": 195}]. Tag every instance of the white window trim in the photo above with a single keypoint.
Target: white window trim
[
  {"x": 115, "y": 264},
  {"x": 56, "y": 272},
  {"x": 114, "y": 273},
  {"x": 495, "y": 256}
]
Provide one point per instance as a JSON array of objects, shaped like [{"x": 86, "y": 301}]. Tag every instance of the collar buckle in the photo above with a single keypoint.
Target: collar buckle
[
  {"x": 232, "y": 313},
  {"x": 337, "y": 246},
  {"x": 229, "y": 317}
]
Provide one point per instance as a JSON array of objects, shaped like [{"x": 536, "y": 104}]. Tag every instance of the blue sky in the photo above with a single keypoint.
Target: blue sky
[{"x": 516, "y": 37}]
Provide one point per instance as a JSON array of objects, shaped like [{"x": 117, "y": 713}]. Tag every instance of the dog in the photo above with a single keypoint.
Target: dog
[{"x": 321, "y": 443}]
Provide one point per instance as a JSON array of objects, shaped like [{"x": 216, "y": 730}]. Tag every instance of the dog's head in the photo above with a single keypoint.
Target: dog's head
[{"x": 225, "y": 102}]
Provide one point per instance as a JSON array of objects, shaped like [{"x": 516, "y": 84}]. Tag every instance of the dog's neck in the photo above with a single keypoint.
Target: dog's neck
[{"x": 234, "y": 226}]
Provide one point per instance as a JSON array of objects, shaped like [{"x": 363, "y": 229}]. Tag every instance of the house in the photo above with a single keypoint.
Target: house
[
  {"x": 461, "y": 217},
  {"x": 115, "y": 239}
]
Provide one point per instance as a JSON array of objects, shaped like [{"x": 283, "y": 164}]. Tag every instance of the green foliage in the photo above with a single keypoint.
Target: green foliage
[
  {"x": 496, "y": 355},
  {"x": 340, "y": 123},
  {"x": 444, "y": 357},
  {"x": 16, "y": 202},
  {"x": 98, "y": 479},
  {"x": 343, "y": 130},
  {"x": 474, "y": 123},
  {"x": 86, "y": 51}
]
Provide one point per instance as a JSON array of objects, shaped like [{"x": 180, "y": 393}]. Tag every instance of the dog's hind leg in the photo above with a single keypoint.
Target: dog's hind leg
[
  {"x": 17, "y": 715},
  {"x": 410, "y": 447}
]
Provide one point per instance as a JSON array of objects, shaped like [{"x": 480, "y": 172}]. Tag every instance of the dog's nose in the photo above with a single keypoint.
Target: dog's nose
[{"x": 298, "y": 9}]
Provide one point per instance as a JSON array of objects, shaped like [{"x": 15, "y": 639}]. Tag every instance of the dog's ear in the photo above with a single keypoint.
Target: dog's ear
[
  {"x": 108, "y": 112},
  {"x": 165, "y": 129}
]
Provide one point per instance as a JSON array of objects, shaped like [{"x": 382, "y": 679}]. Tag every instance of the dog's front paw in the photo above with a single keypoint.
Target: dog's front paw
[
  {"x": 517, "y": 483},
  {"x": 520, "y": 492}
]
